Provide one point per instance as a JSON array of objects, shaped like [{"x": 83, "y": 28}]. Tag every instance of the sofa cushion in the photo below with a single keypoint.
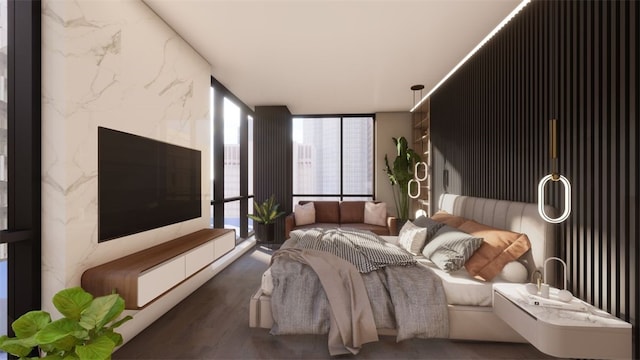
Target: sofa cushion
[
  {"x": 326, "y": 211},
  {"x": 305, "y": 214},
  {"x": 351, "y": 212},
  {"x": 498, "y": 248},
  {"x": 375, "y": 214}
]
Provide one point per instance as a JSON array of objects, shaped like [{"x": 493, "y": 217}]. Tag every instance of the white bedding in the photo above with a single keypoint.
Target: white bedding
[{"x": 459, "y": 287}]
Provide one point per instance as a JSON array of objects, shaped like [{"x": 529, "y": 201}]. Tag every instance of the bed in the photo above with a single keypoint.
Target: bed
[{"x": 470, "y": 312}]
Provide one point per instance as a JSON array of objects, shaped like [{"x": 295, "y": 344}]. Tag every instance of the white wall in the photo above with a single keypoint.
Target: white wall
[
  {"x": 388, "y": 126},
  {"x": 110, "y": 63}
]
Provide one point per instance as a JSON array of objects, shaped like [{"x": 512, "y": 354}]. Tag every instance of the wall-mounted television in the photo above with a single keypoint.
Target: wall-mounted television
[{"x": 144, "y": 184}]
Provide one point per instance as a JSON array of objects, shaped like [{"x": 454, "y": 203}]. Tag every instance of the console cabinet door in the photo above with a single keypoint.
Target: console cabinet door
[
  {"x": 155, "y": 281},
  {"x": 225, "y": 243},
  {"x": 199, "y": 257}
]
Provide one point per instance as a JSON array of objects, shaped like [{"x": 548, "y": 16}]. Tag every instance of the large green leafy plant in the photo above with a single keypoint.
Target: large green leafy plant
[
  {"x": 266, "y": 212},
  {"x": 400, "y": 174},
  {"x": 85, "y": 332}
]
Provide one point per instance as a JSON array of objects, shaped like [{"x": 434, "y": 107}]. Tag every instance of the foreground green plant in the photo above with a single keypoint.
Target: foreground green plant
[
  {"x": 85, "y": 332},
  {"x": 400, "y": 173}
]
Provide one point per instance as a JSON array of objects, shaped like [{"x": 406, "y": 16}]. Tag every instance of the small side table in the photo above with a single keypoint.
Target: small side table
[{"x": 592, "y": 333}]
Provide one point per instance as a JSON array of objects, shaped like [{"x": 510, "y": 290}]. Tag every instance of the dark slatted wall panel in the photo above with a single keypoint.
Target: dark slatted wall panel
[
  {"x": 577, "y": 62},
  {"x": 273, "y": 162}
]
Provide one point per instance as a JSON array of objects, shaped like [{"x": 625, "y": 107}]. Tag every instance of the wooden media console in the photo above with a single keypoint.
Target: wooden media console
[{"x": 146, "y": 275}]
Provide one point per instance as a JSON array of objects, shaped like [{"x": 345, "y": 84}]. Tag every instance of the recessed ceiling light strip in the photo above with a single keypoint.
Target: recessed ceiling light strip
[{"x": 495, "y": 30}]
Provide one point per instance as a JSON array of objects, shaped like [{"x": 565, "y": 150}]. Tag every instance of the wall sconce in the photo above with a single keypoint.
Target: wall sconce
[{"x": 554, "y": 177}]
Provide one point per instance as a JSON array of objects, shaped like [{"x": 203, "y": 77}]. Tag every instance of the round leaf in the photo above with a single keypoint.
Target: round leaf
[
  {"x": 114, "y": 336},
  {"x": 99, "y": 309},
  {"x": 116, "y": 309},
  {"x": 67, "y": 343},
  {"x": 17, "y": 347},
  {"x": 72, "y": 301},
  {"x": 30, "y": 323},
  {"x": 58, "y": 330},
  {"x": 98, "y": 349}
]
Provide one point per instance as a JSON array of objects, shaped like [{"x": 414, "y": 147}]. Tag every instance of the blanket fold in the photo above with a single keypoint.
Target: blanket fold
[
  {"x": 351, "y": 317},
  {"x": 318, "y": 292},
  {"x": 364, "y": 249}
]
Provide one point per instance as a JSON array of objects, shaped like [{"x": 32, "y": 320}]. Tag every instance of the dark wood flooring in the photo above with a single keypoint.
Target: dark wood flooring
[{"x": 213, "y": 323}]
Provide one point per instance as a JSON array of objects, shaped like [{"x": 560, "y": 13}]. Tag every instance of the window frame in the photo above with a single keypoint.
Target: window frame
[
  {"x": 23, "y": 233},
  {"x": 342, "y": 196},
  {"x": 218, "y": 199}
]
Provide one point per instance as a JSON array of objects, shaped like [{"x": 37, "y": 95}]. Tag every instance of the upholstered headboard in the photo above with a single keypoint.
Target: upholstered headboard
[{"x": 515, "y": 216}]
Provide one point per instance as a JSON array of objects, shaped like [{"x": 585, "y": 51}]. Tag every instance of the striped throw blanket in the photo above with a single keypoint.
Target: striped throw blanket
[{"x": 364, "y": 249}]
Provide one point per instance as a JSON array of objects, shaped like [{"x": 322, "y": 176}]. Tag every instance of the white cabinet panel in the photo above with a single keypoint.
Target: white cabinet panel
[
  {"x": 155, "y": 281},
  {"x": 225, "y": 243},
  {"x": 199, "y": 257}
]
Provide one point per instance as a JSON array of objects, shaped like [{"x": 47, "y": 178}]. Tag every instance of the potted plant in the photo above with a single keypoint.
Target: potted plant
[
  {"x": 85, "y": 332},
  {"x": 266, "y": 213},
  {"x": 400, "y": 174}
]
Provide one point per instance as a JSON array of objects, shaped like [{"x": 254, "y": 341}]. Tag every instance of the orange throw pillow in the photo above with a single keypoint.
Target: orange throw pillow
[
  {"x": 498, "y": 248},
  {"x": 449, "y": 219}
]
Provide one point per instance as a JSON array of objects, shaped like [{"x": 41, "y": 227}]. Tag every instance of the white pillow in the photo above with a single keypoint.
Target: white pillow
[
  {"x": 304, "y": 214},
  {"x": 375, "y": 214},
  {"x": 513, "y": 271},
  {"x": 412, "y": 237}
]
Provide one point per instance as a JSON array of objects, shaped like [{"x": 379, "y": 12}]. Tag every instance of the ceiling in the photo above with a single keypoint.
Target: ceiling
[{"x": 332, "y": 57}]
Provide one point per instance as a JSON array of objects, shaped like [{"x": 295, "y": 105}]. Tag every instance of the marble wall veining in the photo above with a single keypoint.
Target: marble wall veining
[{"x": 116, "y": 64}]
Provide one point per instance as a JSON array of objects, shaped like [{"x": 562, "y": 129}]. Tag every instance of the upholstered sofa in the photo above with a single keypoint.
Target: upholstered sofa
[{"x": 334, "y": 214}]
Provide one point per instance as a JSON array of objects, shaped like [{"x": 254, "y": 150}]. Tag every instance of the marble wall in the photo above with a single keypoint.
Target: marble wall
[{"x": 116, "y": 64}]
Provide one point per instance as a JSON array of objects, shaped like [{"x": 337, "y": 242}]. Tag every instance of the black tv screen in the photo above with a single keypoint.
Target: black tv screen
[{"x": 144, "y": 184}]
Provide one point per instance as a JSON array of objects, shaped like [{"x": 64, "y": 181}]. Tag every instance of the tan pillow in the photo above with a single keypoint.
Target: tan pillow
[
  {"x": 375, "y": 214},
  {"x": 304, "y": 214},
  {"x": 498, "y": 248},
  {"x": 449, "y": 219}
]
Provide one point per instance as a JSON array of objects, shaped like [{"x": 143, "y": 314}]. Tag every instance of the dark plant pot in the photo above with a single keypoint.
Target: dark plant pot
[{"x": 265, "y": 233}]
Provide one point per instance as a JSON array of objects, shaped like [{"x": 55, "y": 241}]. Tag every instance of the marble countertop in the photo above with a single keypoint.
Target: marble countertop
[{"x": 577, "y": 313}]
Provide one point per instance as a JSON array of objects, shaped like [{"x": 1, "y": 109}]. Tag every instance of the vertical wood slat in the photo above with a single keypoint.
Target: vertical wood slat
[
  {"x": 273, "y": 159},
  {"x": 575, "y": 61},
  {"x": 634, "y": 180}
]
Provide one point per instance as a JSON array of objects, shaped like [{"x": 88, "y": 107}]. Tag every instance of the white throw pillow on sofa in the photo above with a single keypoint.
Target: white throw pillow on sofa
[
  {"x": 375, "y": 214},
  {"x": 412, "y": 237},
  {"x": 304, "y": 214}
]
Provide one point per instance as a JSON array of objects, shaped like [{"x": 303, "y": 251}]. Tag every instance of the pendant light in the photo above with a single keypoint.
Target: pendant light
[{"x": 554, "y": 177}]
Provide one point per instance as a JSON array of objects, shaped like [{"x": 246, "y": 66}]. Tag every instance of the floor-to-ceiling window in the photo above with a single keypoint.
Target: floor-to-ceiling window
[
  {"x": 333, "y": 157},
  {"x": 3, "y": 165},
  {"x": 20, "y": 150},
  {"x": 232, "y": 160}
]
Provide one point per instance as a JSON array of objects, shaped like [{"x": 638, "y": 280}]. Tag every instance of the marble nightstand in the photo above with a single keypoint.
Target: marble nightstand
[{"x": 587, "y": 333}]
